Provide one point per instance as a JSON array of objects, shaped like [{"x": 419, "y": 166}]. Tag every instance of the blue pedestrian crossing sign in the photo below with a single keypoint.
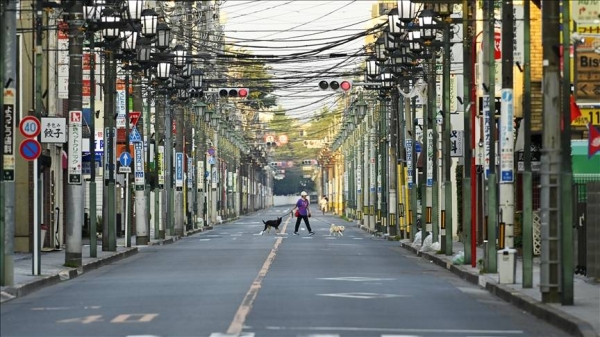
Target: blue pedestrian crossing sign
[
  {"x": 134, "y": 136},
  {"x": 125, "y": 159}
]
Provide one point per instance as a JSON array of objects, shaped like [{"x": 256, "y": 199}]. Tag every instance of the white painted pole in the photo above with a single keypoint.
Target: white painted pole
[
  {"x": 36, "y": 223},
  {"x": 126, "y": 220}
]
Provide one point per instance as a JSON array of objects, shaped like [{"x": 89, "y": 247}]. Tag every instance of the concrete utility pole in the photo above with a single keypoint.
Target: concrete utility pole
[
  {"x": 469, "y": 187},
  {"x": 141, "y": 205},
  {"x": 527, "y": 176},
  {"x": 566, "y": 182},
  {"x": 551, "y": 155},
  {"x": 160, "y": 211},
  {"x": 393, "y": 164},
  {"x": 37, "y": 176},
  {"x": 507, "y": 165},
  {"x": 74, "y": 189},
  {"x": 446, "y": 220},
  {"x": 168, "y": 170},
  {"x": 109, "y": 239},
  {"x": 489, "y": 108},
  {"x": 2, "y": 81},
  {"x": 179, "y": 149},
  {"x": 93, "y": 211}
]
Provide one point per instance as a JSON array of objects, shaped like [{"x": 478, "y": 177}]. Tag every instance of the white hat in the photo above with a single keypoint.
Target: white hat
[{"x": 303, "y": 194}]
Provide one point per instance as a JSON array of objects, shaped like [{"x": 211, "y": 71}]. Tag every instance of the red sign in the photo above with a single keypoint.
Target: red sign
[
  {"x": 497, "y": 45},
  {"x": 30, "y": 149},
  {"x": 75, "y": 117},
  {"x": 134, "y": 116},
  {"x": 30, "y": 127}
]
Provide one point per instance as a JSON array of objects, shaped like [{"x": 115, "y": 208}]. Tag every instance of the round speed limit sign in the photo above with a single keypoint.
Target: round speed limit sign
[{"x": 30, "y": 127}]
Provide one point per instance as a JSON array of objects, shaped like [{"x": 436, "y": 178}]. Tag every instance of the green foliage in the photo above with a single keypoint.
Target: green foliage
[{"x": 255, "y": 75}]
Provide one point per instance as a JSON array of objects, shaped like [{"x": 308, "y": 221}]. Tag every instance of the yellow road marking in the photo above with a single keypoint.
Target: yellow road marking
[
  {"x": 137, "y": 318},
  {"x": 237, "y": 324}
]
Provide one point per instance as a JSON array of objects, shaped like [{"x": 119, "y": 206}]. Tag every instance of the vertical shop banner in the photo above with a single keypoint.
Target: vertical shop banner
[
  {"x": 110, "y": 143},
  {"x": 200, "y": 178},
  {"x": 486, "y": 135},
  {"x": 507, "y": 145},
  {"x": 359, "y": 178},
  {"x": 409, "y": 164},
  {"x": 190, "y": 173},
  {"x": 121, "y": 104},
  {"x": 63, "y": 60},
  {"x": 429, "y": 157},
  {"x": 8, "y": 151},
  {"x": 160, "y": 166},
  {"x": 75, "y": 147},
  {"x": 138, "y": 166},
  {"x": 179, "y": 170}
]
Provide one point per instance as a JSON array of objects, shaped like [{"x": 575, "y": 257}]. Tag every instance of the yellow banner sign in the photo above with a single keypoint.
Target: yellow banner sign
[{"x": 588, "y": 115}]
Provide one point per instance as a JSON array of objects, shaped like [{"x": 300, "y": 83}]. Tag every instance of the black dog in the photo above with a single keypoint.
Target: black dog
[{"x": 271, "y": 223}]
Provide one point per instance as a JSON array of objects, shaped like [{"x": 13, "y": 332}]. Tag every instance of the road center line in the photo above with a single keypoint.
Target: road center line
[{"x": 237, "y": 324}]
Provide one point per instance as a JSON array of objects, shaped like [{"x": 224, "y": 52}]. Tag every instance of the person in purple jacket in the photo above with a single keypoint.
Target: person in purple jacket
[{"x": 303, "y": 213}]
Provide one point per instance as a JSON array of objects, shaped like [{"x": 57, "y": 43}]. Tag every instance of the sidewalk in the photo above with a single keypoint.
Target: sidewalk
[
  {"x": 53, "y": 270},
  {"x": 581, "y": 319}
]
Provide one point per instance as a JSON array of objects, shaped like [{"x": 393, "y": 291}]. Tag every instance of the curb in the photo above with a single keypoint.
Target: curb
[
  {"x": 64, "y": 275},
  {"x": 545, "y": 312}
]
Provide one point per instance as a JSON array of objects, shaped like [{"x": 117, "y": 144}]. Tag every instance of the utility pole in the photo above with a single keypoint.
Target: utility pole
[
  {"x": 507, "y": 165},
  {"x": 160, "y": 195},
  {"x": 74, "y": 189},
  {"x": 393, "y": 163},
  {"x": 527, "y": 176},
  {"x": 10, "y": 92},
  {"x": 109, "y": 240},
  {"x": 566, "y": 182},
  {"x": 2, "y": 81},
  {"x": 469, "y": 188},
  {"x": 180, "y": 155},
  {"x": 127, "y": 184},
  {"x": 168, "y": 169},
  {"x": 39, "y": 104},
  {"x": 93, "y": 216},
  {"x": 551, "y": 155},
  {"x": 446, "y": 220},
  {"x": 142, "y": 206},
  {"x": 489, "y": 108}
]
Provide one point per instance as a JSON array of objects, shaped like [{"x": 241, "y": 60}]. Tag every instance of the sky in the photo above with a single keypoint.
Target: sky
[{"x": 290, "y": 30}]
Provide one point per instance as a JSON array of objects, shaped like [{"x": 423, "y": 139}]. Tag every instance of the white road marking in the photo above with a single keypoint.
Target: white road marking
[
  {"x": 365, "y": 296},
  {"x": 356, "y": 279},
  {"x": 203, "y": 239},
  {"x": 243, "y": 334},
  {"x": 397, "y": 330}
]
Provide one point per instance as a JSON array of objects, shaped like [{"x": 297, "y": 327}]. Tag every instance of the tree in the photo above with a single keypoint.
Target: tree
[{"x": 253, "y": 74}]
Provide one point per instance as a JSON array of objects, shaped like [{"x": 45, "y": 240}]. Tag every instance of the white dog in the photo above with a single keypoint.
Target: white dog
[{"x": 336, "y": 230}]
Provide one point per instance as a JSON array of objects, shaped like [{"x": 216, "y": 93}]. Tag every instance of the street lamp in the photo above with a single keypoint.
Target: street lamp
[
  {"x": 197, "y": 78},
  {"x": 163, "y": 70},
  {"x": 406, "y": 11},
  {"x": 394, "y": 22},
  {"x": 163, "y": 36},
  {"x": 149, "y": 20},
  {"x": 427, "y": 25},
  {"x": 208, "y": 116},
  {"x": 414, "y": 44},
  {"x": 372, "y": 67},
  {"x": 180, "y": 57},
  {"x": 380, "y": 49},
  {"x": 110, "y": 21}
]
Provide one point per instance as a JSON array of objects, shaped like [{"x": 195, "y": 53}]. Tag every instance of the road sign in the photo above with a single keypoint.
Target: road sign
[
  {"x": 134, "y": 136},
  {"x": 30, "y": 149},
  {"x": 588, "y": 115},
  {"x": 134, "y": 116},
  {"x": 30, "y": 127},
  {"x": 125, "y": 159}
]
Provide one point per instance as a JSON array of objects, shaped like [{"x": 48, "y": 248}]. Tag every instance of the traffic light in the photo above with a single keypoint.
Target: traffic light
[
  {"x": 335, "y": 85},
  {"x": 234, "y": 92}
]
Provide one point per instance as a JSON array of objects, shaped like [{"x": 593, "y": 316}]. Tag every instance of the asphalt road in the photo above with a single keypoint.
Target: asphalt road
[{"x": 233, "y": 282}]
